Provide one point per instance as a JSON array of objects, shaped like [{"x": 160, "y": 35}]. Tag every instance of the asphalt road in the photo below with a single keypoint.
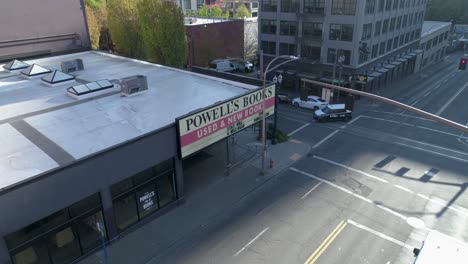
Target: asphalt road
[{"x": 369, "y": 191}]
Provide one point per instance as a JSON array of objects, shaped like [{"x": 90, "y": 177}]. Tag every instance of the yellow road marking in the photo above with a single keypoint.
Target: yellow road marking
[
  {"x": 319, "y": 251},
  {"x": 295, "y": 157}
]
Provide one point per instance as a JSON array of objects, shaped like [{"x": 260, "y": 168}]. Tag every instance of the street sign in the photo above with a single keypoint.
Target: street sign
[{"x": 362, "y": 78}]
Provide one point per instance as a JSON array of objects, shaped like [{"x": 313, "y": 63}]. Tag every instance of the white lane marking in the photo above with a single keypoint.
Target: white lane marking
[
  {"x": 417, "y": 117},
  {"x": 433, "y": 152},
  {"x": 407, "y": 124},
  {"x": 354, "y": 120},
  {"x": 349, "y": 168},
  {"x": 299, "y": 129},
  {"x": 424, "y": 196},
  {"x": 451, "y": 100},
  {"x": 331, "y": 184},
  {"x": 325, "y": 139},
  {"x": 311, "y": 190},
  {"x": 388, "y": 210},
  {"x": 402, "y": 188},
  {"x": 250, "y": 243},
  {"x": 381, "y": 235},
  {"x": 444, "y": 204}
]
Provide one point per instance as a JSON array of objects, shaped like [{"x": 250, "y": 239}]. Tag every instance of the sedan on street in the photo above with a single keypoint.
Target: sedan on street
[{"x": 313, "y": 102}]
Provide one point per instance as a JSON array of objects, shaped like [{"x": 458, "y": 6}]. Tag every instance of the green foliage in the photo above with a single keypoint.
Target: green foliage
[
  {"x": 279, "y": 135},
  {"x": 95, "y": 3},
  {"x": 93, "y": 27},
  {"x": 443, "y": 10},
  {"x": 163, "y": 32},
  {"x": 124, "y": 27},
  {"x": 216, "y": 12},
  {"x": 226, "y": 14},
  {"x": 190, "y": 13},
  {"x": 203, "y": 11},
  {"x": 242, "y": 12}
]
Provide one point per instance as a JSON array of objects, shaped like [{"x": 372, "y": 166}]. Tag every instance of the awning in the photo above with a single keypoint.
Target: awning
[
  {"x": 329, "y": 80},
  {"x": 375, "y": 74},
  {"x": 402, "y": 59},
  {"x": 389, "y": 66},
  {"x": 383, "y": 70},
  {"x": 307, "y": 76},
  {"x": 408, "y": 57},
  {"x": 396, "y": 63}
]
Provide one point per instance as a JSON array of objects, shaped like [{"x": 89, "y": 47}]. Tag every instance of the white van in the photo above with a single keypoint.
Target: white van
[{"x": 223, "y": 66}]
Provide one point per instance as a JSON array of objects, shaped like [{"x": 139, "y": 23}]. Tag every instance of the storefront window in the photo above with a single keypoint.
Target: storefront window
[
  {"x": 146, "y": 192},
  {"x": 125, "y": 211},
  {"x": 63, "y": 245},
  {"x": 60, "y": 237},
  {"x": 166, "y": 189}
]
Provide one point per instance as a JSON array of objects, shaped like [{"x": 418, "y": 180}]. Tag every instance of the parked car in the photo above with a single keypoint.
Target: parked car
[
  {"x": 243, "y": 65},
  {"x": 223, "y": 66},
  {"x": 333, "y": 112},
  {"x": 283, "y": 98},
  {"x": 313, "y": 102}
]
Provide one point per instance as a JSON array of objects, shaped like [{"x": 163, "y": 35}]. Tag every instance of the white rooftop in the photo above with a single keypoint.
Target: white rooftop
[
  {"x": 432, "y": 26},
  {"x": 29, "y": 108}
]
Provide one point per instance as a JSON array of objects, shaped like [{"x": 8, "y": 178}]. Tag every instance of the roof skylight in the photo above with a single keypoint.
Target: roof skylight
[
  {"x": 57, "y": 77},
  {"x": 90, "y": 87},
  {"x": 15, "y": 65},
  {"x": 34, "y": 70}
]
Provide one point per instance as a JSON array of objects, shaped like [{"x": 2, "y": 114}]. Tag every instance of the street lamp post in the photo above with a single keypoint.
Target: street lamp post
[
  {"x": 277, "y": 80},
  {"x": 290, "y": 58}
]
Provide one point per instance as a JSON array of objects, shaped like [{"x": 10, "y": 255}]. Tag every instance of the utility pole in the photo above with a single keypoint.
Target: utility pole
[
  {"x": 335, "y": 60},
  {"x": 260, "y": 75}
]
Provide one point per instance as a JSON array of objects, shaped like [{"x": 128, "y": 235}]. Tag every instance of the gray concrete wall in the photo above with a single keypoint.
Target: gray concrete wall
[
  {"x": 32, "y": 201},
  {"x": 32, "y": 27}
]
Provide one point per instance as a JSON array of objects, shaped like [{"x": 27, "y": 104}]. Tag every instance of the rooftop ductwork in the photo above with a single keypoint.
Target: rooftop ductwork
[{"x": 133, "y": 85}]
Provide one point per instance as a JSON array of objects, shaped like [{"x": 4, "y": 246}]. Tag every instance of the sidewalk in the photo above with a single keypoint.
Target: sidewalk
[{"x": 204, "y": 206}]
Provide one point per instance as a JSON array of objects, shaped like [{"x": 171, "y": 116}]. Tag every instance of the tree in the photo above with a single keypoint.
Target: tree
[
  {"x": 163, "y": 32},
  {"x": 242, "y": 12},
  {"x": 203, "y": 11},
  {"x": 93, "y": 27},
  {"x": 226, "y": 14},
  {"x": 443, "y": 10},
  {"x": 124, "y": 27},
  {"x": 216, "y": 12},
  {"x": 95, "y": 3}
]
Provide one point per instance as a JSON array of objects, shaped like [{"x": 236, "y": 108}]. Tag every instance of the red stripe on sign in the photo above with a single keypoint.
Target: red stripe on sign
[{"x": 214, "y": 127}]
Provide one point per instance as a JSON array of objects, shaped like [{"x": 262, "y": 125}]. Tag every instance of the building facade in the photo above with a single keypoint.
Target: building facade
[
  {"x": 434, "y": 42},
  {"x": 378, "y": 38},
  {"x": 232, "y": 5},
  {"x": 34, "y": 28}
]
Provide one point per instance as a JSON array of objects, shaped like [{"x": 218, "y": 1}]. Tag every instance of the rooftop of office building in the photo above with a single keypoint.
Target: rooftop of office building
[{"x": 432, "y": 26}]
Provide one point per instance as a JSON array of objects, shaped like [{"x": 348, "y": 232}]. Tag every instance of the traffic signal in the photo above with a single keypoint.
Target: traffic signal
[{"x": 462, "y": 65}]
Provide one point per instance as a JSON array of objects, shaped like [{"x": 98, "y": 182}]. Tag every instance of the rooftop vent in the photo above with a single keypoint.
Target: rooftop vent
[
  {"x": 72, "y": 65},
  {"x": 133, "y": 85},
  {"x": 34, "y": 70},
  {"x": 88, "y": 88},
  {"x": 15, "y": 65},
  {"x": 57, "y": 77}
]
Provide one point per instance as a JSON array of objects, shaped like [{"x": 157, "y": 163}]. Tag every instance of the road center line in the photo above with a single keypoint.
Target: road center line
[
  {"x": 451, "y": 100},
  {"x": 349, "y": 168},
  {"x": 311, "y": 190},
  {"x": 250, "y": 243},
  {"x": 326, "y": 243},
  {"x": 299, "y": 129},
  {"x": 379, "y": 234},
  {"x": 325, "y": 139}
]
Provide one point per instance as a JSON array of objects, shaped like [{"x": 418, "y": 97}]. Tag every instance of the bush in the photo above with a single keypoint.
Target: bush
[{"x": 280, "y": 136}]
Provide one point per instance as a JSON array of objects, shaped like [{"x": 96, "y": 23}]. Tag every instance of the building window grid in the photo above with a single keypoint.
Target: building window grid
[
  {"x": 395, "y": 42},
  {"x": 405, "y": 19},
  {"x": 378, "y": 26},
  {"x": 381, "y": 5},
  {"x": 287, "y": 49},
  {"x": 331, "y": 55},
  {"x": 269, "y": 5},
  {"x": 312, "y": 29},
  {"x": 402, "y": 3},
  {"x": 375, "y": 50},
  {"x": 385, "y": 26},
  {"x": 389, "y": 45},
  {"x": 392, "y": 24},
  {"x": 370, "y": 7},
  {"x": 289, "y": 6},
  {"x": 395, "y": 4},
  {"x": 310, "y": 52},
  {"x": 268, "y": 26},
  {"x": 402, "y": 39},
  {"x": 314, "y": 6},
  {"x": 382, "y": 48},
  {"x": 388, "y": 5},
  {"x": 343, "y": 7},
  {"x": 269, "y": 47},
  {"x": 366, "y": 31},
  {"x": 341, "y": 32},
  {"x": 288, "y": 28}
]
